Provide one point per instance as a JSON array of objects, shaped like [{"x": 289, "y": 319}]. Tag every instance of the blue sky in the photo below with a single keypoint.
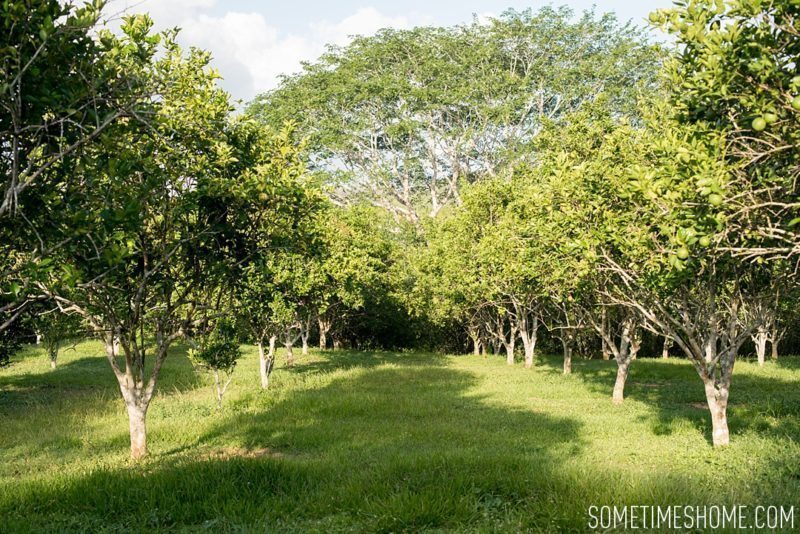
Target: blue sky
[{"x": 254, "y": 41}]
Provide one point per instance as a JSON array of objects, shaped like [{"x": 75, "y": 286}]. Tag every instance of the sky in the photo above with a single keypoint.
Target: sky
[{"x": 253, "y": 42}]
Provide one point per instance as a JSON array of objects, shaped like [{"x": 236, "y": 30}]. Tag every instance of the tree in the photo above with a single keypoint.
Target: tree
[
  {"x": 405, "y": 119},
  {"x": 691, "y": 287},
  {"x": 280, "y": 226},
  {"x": 164, "y": 214},
  {"x": 56, "y": 329},
  {"x": 355, "y": 259},
  {"x": 218, "y": 352}
]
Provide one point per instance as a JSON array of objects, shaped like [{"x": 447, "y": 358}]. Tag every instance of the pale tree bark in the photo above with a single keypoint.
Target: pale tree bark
[
  {"x": 567, "y": 343},
  {"x": 760, "y": 337},
  {"x": 622, "y": 341},
  {"x": 706, "y": 320},
  {"x": 623, "y": 354},
  {"x": 717, "y": 399},
  {"x": 221, "y": 387},
  {"x": 529, "y": 332},
  {"x": 476, "y": 342},
  {"x": 325, "y": 325},
  {"x": 636, "y": 342},
  {"x": 665, "y": 348},
  {"x": 266, "y": 361},
  {"x": 305, "y": 332},
  {"x": 137, "y": 390},
  {"x": 774, "y": 345}
]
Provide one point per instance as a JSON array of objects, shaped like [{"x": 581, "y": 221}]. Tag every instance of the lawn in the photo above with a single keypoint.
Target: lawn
[{"x": 379, "y": 441}]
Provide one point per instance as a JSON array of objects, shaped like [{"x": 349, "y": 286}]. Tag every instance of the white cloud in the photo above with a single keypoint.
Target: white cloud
[{"x": 249, "y": 52}]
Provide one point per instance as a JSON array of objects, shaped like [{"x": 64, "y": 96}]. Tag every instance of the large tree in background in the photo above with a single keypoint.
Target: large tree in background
[{"x": 405, "y": 118}]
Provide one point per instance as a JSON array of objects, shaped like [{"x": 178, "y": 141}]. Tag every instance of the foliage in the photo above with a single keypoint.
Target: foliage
[
  {"x": 404, "y": 119},
  {"x": 737, "y": 79}
]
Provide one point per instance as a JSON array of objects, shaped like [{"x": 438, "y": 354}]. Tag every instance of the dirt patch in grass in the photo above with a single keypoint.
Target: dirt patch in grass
[{"x": 241, "y": 452}]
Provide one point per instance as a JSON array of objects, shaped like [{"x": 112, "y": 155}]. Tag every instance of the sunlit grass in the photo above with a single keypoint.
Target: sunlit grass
[{"x": 382, "y": 441}]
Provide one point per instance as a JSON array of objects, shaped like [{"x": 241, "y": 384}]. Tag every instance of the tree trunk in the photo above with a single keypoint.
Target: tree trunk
[
  {"x": 289, "y": 354},
  {"x": 774, "y": 345},
  {"x": 760, "y": 341},
  {"x": 218, "y": 386},
  {"x": 567, "y": 357},
  {"x": 337, "y": 343},
  {"x": 636, "y": 344},
  {"x": 136, "y": 423},
  {"x": 265, "y": 361},
  {"x": 52, "y": 363},
  {"x": 718, "y": 405},
  {"x": 53, "y": 353},
  {"x": 510, "y": 352},
  {"x": 606, "y": 350},
  {"x": 324, "y": 328},
  {"x": 619, "y": 386},
  {"x": 666, "y": 347},
  {"x": 529, "y": 340},
  {"x": 305, "y": 331}
]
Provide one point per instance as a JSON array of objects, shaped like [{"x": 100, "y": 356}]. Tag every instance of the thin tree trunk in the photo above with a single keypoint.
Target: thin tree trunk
[
  {"x": 510, "y": 352},
  {"x": 619, "y": 386},
  {"x": 665, "y": 348},
  {"x": 718, "y": 405},
  {"x": 528, "y": 337},
  {"x": 606, "y": 350},
  {"x": 305, "y": 331},
  {"x": 635, "y": 345},
  {"x": 138, "y": 430},
  {"x": 774, "y": 345},
  {"x": 289, "y": 354},
  {"x": 218, "y": 387},
  {"x": 324, "y": 328},
  {"x": 567, "y": 356},
  {"x": 760, "y": 341},
  {"x": 265, "y": 361}
]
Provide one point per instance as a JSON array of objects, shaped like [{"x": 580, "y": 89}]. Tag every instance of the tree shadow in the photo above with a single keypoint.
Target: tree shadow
[
  {"x": 333, "y": 360},
  {"x": 86, "y": 376},
  {"x": 377, "y": 450},
  {"x": 760, "y": 402}
]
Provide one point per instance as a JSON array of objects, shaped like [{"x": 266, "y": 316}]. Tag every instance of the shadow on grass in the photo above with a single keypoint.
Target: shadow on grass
[
  {"x": 86, "y": 376},
  {"x": 759, "y": 402},
  {"x": 335, "y": 360},
  {"x": 384, "y": 449}
]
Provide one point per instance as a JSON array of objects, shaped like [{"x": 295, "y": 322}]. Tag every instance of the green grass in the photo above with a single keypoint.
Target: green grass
[{"x": 384, "y": 442}]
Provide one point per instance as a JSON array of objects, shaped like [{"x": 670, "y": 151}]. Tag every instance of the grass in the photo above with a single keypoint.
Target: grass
[{"x": 384, "y": 442}]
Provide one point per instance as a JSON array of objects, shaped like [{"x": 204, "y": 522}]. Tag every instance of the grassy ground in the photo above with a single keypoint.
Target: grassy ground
[{"x": 385, "y": 442}]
